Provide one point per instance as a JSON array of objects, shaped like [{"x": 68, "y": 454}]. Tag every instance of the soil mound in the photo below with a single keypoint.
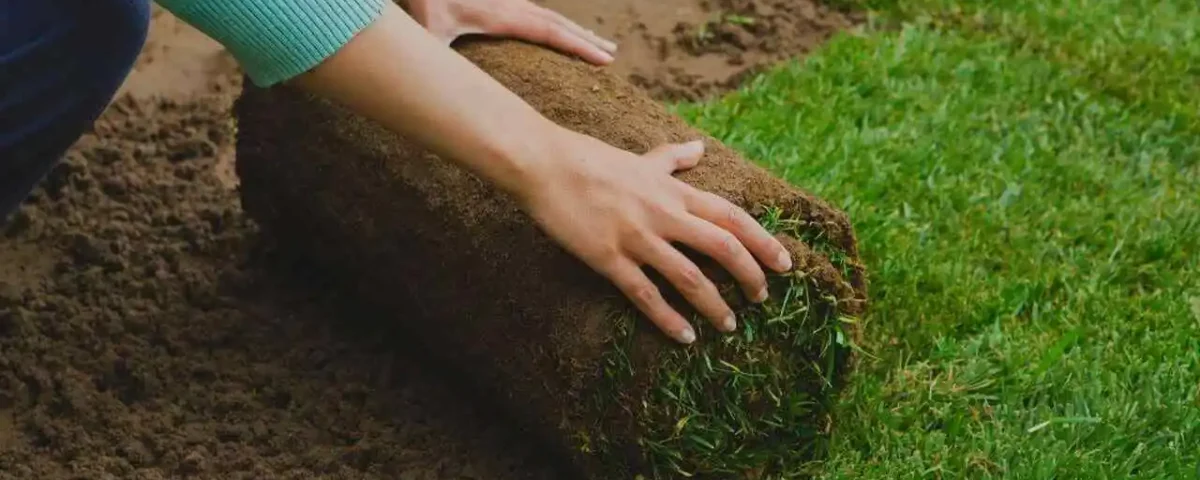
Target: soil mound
[
  {"x": 532, "y": 326},
  {"x": 142, "y": 336}
]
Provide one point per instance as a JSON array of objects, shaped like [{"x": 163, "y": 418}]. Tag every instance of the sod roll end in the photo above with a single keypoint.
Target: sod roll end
[{"x": 468, "y": 274}]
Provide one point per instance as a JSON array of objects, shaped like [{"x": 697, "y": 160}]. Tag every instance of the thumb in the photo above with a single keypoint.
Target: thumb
[{"x": 677, "y": 156}]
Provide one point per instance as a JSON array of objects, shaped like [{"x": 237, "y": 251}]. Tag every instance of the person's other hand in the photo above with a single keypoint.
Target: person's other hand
[
  {"x": 618, "y": 211},
  {"x": 520, "y": 19}
]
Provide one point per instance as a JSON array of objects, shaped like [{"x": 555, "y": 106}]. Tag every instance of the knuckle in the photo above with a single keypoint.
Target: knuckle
[
  {"x": 736, "y": 217},
  {"x": 538, "y": 29},
  {"x": 645, "y": 294},
  {"x": 691, "y": 278},
  {"x": 471, "y": 15},
  {"x": 559, "y": 32},
  {"x": 608, "y": 255},
  {"x": 549, "y": 33},
  {"x": 728, "y": 245},
  {"x": 639, "y": 238},
  {"x": 700, "y": 198},
  {"x": 659, "y": 209}
]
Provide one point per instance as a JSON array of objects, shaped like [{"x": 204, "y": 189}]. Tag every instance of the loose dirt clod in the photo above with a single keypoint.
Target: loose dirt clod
[{"x": 471, "y": 277}]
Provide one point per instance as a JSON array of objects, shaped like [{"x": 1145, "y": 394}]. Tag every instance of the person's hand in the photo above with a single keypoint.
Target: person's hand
[
  {"x": 617, "y": 211},
  {"x": 520, "y": 19}
]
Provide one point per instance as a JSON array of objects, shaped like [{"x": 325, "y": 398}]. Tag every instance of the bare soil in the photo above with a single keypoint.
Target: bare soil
[
  {"x": 693, "y": 49},
  {"x": 143, "y": 335}
]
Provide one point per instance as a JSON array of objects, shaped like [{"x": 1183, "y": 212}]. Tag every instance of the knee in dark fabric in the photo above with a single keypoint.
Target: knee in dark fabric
[
  {"x": 61, "y": 62},
  {"x": 122, "y": 24}
]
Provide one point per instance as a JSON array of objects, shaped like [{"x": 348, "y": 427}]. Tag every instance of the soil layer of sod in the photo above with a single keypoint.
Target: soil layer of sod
[{"x": 531, "y": 326}]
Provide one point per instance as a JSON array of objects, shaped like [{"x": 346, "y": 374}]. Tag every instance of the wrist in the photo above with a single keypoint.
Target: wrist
[{"x": 522, "y": 165}]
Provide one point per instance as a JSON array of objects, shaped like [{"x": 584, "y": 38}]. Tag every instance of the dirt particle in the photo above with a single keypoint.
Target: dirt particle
[
  {"x": 8, "y": 428},
  {"x": 136, "y": 453},
  {"x": 192, "y": 149},
  {"x": 194, "y": 462}
]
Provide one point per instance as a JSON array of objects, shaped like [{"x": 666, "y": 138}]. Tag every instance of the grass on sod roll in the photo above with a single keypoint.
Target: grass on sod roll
[
  {"x": 1032, "y": 233},
  {"x": 744, "y": 404}
]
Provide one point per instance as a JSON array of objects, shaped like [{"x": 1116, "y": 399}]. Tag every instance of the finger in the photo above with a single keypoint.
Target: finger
[
  {"x": 677, "y": 156},
  {"x": 691, "y": 282},
  {"x": 754, "y": 236},
  {"x": 578, "y": 29},
  {"x": 634, "y": 283},
  {"x": 728, "y": 250},
  {"x": 460, "y": 30},
  {"x": 537, "y": 28}
]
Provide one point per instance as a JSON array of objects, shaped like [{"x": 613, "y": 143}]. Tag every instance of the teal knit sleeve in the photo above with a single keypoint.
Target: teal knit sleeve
[{"x": 275, "y": 40}]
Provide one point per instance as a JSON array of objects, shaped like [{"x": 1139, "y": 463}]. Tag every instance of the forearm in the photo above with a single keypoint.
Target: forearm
[
  {"x": 275, "y": 40},
  {"x": 396, "y": 73}
]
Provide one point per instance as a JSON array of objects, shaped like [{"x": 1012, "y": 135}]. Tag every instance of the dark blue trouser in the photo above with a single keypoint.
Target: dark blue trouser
[{"x": 61, "y": 62}]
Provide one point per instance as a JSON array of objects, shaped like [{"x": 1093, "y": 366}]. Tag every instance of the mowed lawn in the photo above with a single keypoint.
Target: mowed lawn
[{"x": 1024, "y": 177}]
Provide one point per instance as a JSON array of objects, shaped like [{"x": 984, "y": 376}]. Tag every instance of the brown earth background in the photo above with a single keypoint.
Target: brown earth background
[{"x": 143, "y": 335}]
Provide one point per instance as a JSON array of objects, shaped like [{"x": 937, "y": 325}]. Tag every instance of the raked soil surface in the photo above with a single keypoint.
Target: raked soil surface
[{"x": 143, "y": 335}]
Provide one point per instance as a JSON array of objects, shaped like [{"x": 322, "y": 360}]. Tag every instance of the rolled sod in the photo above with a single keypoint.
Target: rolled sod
[{"x": 472, "y": 278}]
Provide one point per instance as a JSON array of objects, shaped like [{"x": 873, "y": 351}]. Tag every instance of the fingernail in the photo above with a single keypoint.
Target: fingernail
[
  {"x": 687, "y": 335},
  {"x": 784, "y": 262},
  {"x": 761, "y": 296},
  {"x": 694, "y": 147},
  {"x": 729, "y": 323},
  {"x": 605, "y": 43}
]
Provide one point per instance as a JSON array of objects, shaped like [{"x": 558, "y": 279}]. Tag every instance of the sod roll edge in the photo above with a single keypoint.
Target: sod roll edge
[{"x": 471, "y": 277}]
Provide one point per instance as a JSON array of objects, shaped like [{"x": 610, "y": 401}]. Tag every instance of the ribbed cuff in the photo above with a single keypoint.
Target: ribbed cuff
[{"x": 275, "y": 40}]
